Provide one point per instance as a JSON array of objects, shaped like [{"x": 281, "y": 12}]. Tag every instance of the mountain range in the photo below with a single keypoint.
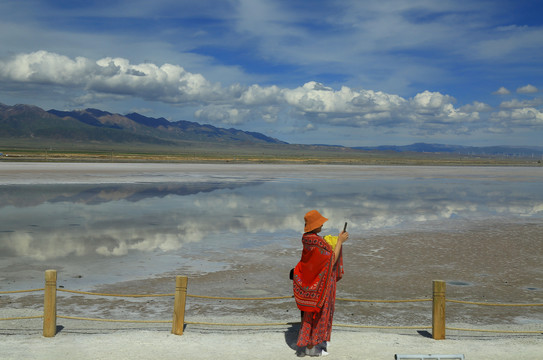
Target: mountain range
[
  {"x": 28, "y": 122},
  {"x": 520, "y": 151}
]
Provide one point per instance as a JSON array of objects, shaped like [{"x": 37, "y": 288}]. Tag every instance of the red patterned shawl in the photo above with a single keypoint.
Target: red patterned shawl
[{"x": 312, "y": 274}]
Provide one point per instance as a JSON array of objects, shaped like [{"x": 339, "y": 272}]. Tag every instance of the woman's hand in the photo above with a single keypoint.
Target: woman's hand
[{"x": 343, "y": 236}]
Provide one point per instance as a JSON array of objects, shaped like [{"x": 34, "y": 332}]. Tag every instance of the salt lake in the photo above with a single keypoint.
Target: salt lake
[{"x": 106, "y": 223}]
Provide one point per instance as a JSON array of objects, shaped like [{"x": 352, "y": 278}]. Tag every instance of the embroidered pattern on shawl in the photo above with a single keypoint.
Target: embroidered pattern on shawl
[
  {"x": 316, "y": 327},
  {"x": 313, "y": 273}
]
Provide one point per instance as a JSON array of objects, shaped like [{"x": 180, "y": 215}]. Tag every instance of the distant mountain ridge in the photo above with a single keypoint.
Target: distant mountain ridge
[
  {"x": 98, "y": 126},
  {"x": 28, "y": 121},
  {"x": 524, "y": 151}
]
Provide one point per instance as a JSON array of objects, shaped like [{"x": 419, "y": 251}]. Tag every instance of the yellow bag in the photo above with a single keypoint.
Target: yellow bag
[{"x": 332, "y": 240}]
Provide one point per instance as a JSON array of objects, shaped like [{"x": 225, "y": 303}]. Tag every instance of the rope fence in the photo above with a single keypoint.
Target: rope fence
[
  {"x": 438, "y": 309},
  {"x": 489, "y": 304},
  {"x": 496, "y": 331},
  {"x": 114, "y": 320},
  {"x": 20, "y": 291},
  {"x": 239, "y": 298},
  {"x": 115, "y": 295},
  {"x": 384, "y": 301},
  {"x": 22, "y": 318}
]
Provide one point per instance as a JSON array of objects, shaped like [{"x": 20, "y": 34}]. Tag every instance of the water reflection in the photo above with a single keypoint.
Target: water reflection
[{"x": 44, "y": 222}]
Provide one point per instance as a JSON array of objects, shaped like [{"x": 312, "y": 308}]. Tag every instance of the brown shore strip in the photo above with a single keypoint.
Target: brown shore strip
[{"x": 292, "y": 155}]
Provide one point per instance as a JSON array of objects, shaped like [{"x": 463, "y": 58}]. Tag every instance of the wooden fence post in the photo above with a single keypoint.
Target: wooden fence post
[
  {"x": 179, "y": 305},
  {"x": 50, "y": 304},
  {"x": 438, "y": 312}
]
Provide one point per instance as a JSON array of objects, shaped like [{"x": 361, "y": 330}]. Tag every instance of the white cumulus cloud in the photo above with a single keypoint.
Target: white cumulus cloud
[
  {"x": 502, "y": 91},
  {"x": 347, "y": 106},
  {"x": 528, "y": 89},
  {"x": 166, "y": 83},
  {"x": 514, "y": 103},
  {"x": 45, "y": 67},
  {"x": 225, "y": 114},
  {"x": 257, "y": 95},
  {"x": 311, "y": 104},
  {"x": 436, "y": 109},
  {"x": 519, "y": 117},
  {"x": 476, "y": 106}
]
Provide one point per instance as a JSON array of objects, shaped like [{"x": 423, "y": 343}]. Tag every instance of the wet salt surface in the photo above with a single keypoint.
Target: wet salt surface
[
  {"x": 235, "y": 229},
  {"x": 104, "y": 173}
]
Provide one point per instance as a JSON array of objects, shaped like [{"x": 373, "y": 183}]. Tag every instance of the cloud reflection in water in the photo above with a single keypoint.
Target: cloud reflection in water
[{"x": 54, "y": 221}]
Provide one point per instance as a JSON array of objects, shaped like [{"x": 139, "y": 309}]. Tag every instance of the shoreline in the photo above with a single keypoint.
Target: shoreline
[
  {"x": 318, "y": 158},
  {"x": 27, "y": 173}
]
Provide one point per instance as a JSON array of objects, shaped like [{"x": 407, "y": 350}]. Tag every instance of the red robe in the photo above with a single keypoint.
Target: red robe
[
  {"x": 314, "y": 284},
  {"x": 313, "y": 274}
]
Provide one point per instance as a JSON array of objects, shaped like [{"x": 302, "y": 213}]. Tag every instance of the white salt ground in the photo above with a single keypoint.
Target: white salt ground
[
  {"x": 256, "y": 344},
  {"x": 83, "y": 340}
]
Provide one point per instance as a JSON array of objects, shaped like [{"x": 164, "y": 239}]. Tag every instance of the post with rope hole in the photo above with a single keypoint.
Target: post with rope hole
[
  {"x": 179, "y": 304},
  {"x": 50, "y": 304},
  {"x": 438, "y": 311}
]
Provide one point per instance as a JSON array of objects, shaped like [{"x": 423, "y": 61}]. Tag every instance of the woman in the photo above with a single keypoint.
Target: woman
[{"x": 314, "y": 284}]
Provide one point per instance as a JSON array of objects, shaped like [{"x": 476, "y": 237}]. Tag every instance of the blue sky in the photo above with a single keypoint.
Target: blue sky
[{"x": 347, "y": 72}]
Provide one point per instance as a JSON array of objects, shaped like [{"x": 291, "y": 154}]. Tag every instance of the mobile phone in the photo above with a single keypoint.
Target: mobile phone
[{"x": 345, "y": 227}]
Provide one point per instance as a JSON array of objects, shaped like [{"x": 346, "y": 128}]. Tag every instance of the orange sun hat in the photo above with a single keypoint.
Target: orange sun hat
[{"x": 313, "y": 220}]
